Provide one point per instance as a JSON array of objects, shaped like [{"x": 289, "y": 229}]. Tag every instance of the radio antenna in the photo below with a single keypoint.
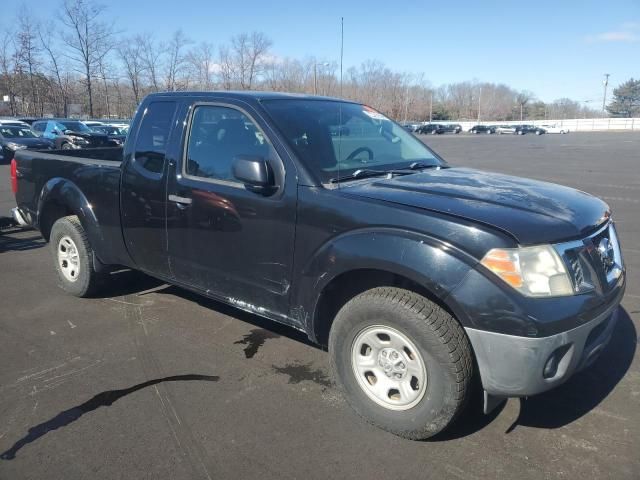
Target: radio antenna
[
  {"x": 341, "y": 50},
  {"x": 341, "y": 97}
]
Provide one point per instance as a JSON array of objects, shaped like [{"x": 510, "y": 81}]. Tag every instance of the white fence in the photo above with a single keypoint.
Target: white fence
[{"x": 573, "y": 125}]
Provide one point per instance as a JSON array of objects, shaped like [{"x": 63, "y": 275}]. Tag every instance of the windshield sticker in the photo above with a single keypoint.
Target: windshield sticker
[{"x": 370, "y": 112}]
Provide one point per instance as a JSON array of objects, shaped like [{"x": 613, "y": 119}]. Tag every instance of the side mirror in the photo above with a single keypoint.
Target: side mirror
[
  {"x": 55, "y": 131},
  {"x": 255, "y": 173}
]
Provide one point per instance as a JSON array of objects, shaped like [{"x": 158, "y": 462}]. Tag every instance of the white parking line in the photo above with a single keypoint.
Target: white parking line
[{"x": 622, "y": 199}]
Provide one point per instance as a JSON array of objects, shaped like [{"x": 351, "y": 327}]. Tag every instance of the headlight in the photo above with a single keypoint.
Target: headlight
[
  {"x": 79, "y": 140},
  {"x": 533, "y": 271},
  {"x": 15, "y": 146}
]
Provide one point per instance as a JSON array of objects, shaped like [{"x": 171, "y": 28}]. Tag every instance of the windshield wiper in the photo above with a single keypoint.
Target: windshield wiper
[
  {"x": 364, "y": 173},
  {"x": 421, "y": 166}
]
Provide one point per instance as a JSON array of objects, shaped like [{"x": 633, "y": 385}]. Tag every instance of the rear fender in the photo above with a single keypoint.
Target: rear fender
[{"x": 59, "y": 193}]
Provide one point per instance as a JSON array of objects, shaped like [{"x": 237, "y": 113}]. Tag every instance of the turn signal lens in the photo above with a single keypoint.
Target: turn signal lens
[
  {"x": 505, "y": 264},
  {"x": 533, "y": 271}
]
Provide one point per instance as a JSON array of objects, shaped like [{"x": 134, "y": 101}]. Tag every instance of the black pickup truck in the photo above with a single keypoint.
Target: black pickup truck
[{"x": 416, "y": 275}]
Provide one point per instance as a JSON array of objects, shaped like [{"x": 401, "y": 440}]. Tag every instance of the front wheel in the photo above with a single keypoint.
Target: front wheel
[
  {"x": 73, "y": 257},
  {"x": 66, "y": 146},
  {"x": 403, "y": 362}
]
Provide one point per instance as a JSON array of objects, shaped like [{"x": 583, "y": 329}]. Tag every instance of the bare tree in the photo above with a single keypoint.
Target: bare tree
[
  {"x": 87, "y": 38},
  {"x": 201, "y": 62},
  {"x": 8, "y": 69},
  {"x": 28, "y": 53},
  {"x": 151, "y": 52},
  {"x": 249, "y": 54},
  {"x": 225, "y": 68},
  {"x": 130, "y": 53},
  {"x": 522, "y": 99},
  {"x": 60, "y": 74},
  {"x": 176, "y": 61}
]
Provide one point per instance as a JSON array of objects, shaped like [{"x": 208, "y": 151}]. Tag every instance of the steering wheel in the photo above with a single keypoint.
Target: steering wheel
[{"x": 358, "y": 151}]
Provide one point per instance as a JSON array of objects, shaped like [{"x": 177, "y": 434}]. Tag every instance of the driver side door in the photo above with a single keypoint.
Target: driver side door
[{"x": 224, "y": 239}]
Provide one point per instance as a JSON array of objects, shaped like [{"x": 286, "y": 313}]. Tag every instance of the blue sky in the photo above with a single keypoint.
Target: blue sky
[{"x": 555, "y": 49}]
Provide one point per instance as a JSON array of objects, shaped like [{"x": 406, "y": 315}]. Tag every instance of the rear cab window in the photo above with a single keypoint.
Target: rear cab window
[{"x": 153, "y": 136}]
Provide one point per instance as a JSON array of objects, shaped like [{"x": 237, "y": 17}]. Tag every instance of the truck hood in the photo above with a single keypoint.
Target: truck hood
[{"x": 530, "y": 211}]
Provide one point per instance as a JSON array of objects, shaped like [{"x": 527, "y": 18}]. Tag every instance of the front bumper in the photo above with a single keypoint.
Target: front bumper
[{"x": 513, "y": 366}]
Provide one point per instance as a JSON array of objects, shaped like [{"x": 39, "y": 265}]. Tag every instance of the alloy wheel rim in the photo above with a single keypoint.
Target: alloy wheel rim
[
  {"x": 68, "y": 258},
  {"x": 388, "y": 367}
]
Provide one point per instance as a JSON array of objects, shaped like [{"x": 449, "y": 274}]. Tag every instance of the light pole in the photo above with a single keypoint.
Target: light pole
[
  {"x": 431, "y": 106},
  {"x": 479, "y": 98},
  {"x": 315, "y": 75},
  {"x": 605, "y": 82}
]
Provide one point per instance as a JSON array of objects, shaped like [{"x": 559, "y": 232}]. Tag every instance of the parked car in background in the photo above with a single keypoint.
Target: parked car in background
[
  {"x": 93, "y": 123},
  {"x": 502, "y": 129},
  {"x": 524, "y": 129},
  {"x": 70, "y": 134},
  {"x": 554, "y": 128},
  {"x": 431, "y": 128},
  {"x": 116, "y": 135},
  {"x": 411, "y": 126},
  {"x": 29, "y": 120},
  {"x": 12, "y": 121},
  {"x": 19, "y": 137},
  {"x": 452, "y": 127},
  {"x": 483, "y": 129}
]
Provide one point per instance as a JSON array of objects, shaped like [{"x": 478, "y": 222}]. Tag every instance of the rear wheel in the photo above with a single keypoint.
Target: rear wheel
[
  {"x": 403, "y": 362},
  {"x": 73, "y": 258}
]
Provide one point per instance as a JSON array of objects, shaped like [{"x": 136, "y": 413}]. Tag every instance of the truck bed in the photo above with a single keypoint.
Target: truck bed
[{"x": 89, "y": 179}]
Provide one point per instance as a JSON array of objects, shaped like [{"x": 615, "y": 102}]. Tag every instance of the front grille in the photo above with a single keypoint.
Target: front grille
[
  {"x": 575, "y": 268},
  {"x": 594, "y": 260},
  {"x": 606, "y": 253}
]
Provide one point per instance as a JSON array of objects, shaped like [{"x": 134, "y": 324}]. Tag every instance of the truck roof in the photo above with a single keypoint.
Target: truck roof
[{"x": 247, "y": 94}]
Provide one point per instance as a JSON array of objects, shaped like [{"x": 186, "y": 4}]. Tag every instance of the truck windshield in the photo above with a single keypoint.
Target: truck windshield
[
  {"x": 16, "y": 132},
  {"x": 76, "y": 127},
  {"x": 336, "y": 138}
]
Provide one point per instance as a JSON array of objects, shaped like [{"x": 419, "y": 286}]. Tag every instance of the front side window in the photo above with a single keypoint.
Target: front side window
[
  {"x": 218, "y": 135},
  {"x": 336, "y": 138},
  {"x": 153, "y": 135}
]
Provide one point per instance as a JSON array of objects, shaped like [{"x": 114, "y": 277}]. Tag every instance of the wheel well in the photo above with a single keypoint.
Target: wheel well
[
  {"x": 51, "y": 212},
  {"x": 349, "y": 284}
]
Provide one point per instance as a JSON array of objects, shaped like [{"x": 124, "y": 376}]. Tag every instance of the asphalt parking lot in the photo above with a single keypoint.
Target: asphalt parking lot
[{"x": 151, "y": 381}]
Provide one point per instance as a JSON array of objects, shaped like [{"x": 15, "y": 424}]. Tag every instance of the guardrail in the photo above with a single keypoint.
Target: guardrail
[{"x": 573, "y": 124}]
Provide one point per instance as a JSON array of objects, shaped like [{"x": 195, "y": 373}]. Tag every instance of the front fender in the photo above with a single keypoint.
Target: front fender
[
  {"x": 435, "y": 265},
  {"x": 64, "y": 193}
]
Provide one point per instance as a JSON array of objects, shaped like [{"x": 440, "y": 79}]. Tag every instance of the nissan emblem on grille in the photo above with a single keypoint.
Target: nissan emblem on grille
[{"x": 605, "y": 250}]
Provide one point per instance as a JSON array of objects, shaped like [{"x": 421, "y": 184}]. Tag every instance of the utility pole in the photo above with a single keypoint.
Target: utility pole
[
  {"x": 605, "y": 82},
  {"x": 521, "y": 105},
  {"x": 431, "y": 107},
  {"x": 315, "y": 75},
  {"x": 406, "y": 105},
  {"x": 479, "y": 97}
]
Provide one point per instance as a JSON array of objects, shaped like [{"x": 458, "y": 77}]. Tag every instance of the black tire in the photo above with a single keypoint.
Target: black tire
[
  {"x": 66, "y": 146},
  {"x": 88, "y": 281},
  {"x": 440, "y": 341}
]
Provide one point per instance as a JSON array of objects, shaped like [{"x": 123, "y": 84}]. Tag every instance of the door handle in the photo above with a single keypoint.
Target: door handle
[{"x": 181, "y": 201}]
